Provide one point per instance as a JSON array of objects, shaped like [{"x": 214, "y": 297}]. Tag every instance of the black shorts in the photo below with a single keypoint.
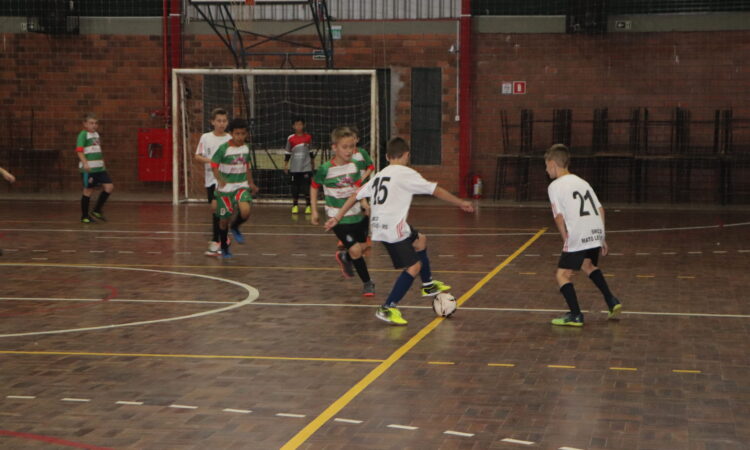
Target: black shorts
[
  {"x": 210, "y": 193},
  {"x": 574, "y": 260},
  {"x": 351, "y": 233},
  {"x": 402, "y": 253},
  {"x": 299, "y": 177},
  {"x": 94, "y": 179}
]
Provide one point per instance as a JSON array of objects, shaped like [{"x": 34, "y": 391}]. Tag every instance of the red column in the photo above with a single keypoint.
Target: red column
[{"x": 465, "y": 67}]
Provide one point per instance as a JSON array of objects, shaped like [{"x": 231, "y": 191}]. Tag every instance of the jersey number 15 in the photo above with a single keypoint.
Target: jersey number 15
[{"x": 380, "y": 190}]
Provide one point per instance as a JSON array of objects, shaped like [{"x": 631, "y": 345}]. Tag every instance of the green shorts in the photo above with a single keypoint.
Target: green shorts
[{"x": 226, "y": 202}]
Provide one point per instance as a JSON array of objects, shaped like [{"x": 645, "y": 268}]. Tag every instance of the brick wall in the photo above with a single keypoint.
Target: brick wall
[{"x": 701, "y": 72}]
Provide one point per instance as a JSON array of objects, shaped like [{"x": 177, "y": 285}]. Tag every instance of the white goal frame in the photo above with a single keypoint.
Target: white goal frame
[{"x": 177, "y": 75}]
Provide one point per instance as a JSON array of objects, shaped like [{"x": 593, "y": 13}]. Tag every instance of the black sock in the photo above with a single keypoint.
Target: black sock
[
  {"x": 85, "y": 206},
  {"x": 100, "y": 201},
  {"x": 598, "y": 278},
  {"x": 223, "y": 236},
  {"x": 361, "y": 266},
  {"x": 569, "y": 292},
  {"x": 238, "y": 221},
  {"x": 215, "y": 225}
]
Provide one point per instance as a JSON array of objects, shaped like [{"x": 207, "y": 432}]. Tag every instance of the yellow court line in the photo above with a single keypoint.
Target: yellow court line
[
  {"x": 629, "y": 369},
  {"x": 527, "y": 273},
  {"x": 686, "y": 371},
  {"x": 554, "y": 366},
  {"x": 501, "y": 365},
  {"x": 685, "y": 277},
  {"x": 355, "y": 390},
  {"x": 645, "y": 276},
  {"x": 441, "y": 363},
  {"x": 159, "y": 355},
  {"x": 222, "y": 267}
]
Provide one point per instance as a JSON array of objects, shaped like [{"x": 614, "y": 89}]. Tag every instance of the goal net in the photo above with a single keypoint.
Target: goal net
[{"x": 269, "y": 99}]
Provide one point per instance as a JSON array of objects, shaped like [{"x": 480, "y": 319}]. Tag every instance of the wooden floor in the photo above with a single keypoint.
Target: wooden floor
[{"x": 123, "y": 335}]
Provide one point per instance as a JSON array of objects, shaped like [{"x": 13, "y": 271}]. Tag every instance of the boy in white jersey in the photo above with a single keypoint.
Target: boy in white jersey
[
  {"x": 580, "y": 218},
  {"x": 91, "y": 166},
  {"x": 231, "y": 167},
  {"x": 207, "y": 146},
  {"x": 390, "y": 192}
]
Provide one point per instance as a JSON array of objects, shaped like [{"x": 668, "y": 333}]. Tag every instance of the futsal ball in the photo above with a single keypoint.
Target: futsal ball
[{"x": 444, "y": 304}]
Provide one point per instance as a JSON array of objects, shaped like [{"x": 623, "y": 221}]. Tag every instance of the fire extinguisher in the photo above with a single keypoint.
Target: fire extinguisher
[{"x": 476, "y": 186}]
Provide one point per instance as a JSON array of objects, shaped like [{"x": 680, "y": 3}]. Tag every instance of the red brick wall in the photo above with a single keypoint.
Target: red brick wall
[
  {"x": 659, "y": 71},
  {"x": 119, "y": 78}
]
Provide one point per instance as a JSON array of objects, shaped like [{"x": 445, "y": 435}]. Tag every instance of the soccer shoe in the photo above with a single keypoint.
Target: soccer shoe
[
  {"x": 308, "y": 210},
  {"x": 295, "y": 209},
  {"x": 225, "y": 253},
  {"x": 99, "y": 216},
  {"x": 369, "y": 289},
  {"x": 569, "y": 320},
  {"x": 614, "y": 311},
  {"x": 87, "y": 219},
  {"x": 214, "y": 246},
  {"x": 436, "y": 288},
  {"x": 390, "y": 315},
  {"x": 212, "y": 252},
  {"x": 237, "y": 236},
  {"x": 340, "y": 245},
  {"x": 347, "y": 268}
]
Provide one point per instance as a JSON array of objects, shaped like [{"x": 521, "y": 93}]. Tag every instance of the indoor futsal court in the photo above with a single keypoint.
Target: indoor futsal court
[{"x": 592, "y": 293}]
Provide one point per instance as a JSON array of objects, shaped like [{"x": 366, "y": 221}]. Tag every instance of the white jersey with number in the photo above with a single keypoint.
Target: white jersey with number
[
  {"x": 207, "y": 147},
  {"x": 390, "y": 192},
  {"x": 574, "y": 198}
]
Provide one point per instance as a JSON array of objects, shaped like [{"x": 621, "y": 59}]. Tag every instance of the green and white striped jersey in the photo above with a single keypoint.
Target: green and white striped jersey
[
  {"x": 232, "y": 163},
  {"x": 339, "y": 183},
  {"x": 88, "y": 143}
]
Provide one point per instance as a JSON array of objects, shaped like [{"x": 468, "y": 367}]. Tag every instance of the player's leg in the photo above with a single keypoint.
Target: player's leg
[
  {"x": 107, "y": 188},
  {"x": 295, "y": 192},
  {"x": 306, "y": 192},
  {"x": 404, "y": 257},
  {"x": 224, "y": 210},
  {"x": 564, "y": 275},
  {"x": 356, "y": 255},
  {"x": 86, "y": 198},
  {"x": 430, "y": 287},
  {"x": 241, "y": 198},
  {"x": 590, "y": 268}
]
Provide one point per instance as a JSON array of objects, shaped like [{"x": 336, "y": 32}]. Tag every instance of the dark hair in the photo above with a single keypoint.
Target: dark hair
[
  {"x": 296, "y": 119},
  {"x": 238, "y": 123},
  {"x": 340, "y": 133},
  {"x": 89, "y": 115},
  {"x": 218, "y": 112},
  {"x": 558, "y": 153},
  {"x": 396, "y": 148}
]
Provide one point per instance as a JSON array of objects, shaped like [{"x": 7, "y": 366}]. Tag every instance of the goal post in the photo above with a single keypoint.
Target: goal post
[{"x": 269, "y": 99}]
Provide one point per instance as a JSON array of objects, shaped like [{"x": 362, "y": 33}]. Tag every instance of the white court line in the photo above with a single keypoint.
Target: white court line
[
  {"x": 40, "y": 251},
  {"x": 502, "y": 256},
  {"x": 614, "y": 254},
  {"x": 79, "y": 400},
  {"x": 183, "y": 406},
  {"x": 96, "y": 251},
  {"x": 743, "y": 251},
  {"x": 123, "y": 402},
  {"x": 402, "y": 427},
  {"x": 475, "y": 256},
  {"x": 642, "y": 254},
  {"x": 517, "y": 441},
  {"x": 124, "y": 251},
  {"x": 531, "y": 254},
  {"x": 720, "y": 251},
  {"x": 68, "y": 251},
  {"x": 458, "y": 433},
  {"x": 569, "y": 448},
  {"x": 39, "y": 259},
  {"x": 154, "y": 253},
  {"x": 252, "y": 295},
  {"x": 121, "y": 300},
  {"x": 21, "y": 397},
  {"x": 668, "y": 253},
  {"x": 10, "y": 250},
  {"x": 295, "y": 416},
  {"x": 695, "y": 253},
  {"x": 181, "y": 253},
  {"x": 238, "y": 411},
  {"x": 445, "y": 256},
  {"x": 269, "y": 254},
  {"x": 242, "y": 254},
  {"x": 339, "y": 419},
  {"x": 299, "y": 254}
]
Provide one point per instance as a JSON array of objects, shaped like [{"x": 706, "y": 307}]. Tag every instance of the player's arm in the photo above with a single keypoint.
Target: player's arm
[
  {"x": 217, "y": 175},
  {"x": 200, "y": 151},
  {"x": 333, "y": 221},
  {"x": 605, "y": 247},
  {"x": 81, "y": 155},
  {"x": 560, "y": 222},
  {"x": 287, "y": 155},
  {"x": 250, "y": 182},
  {"x": 314, "y": 216},
  {"x": 7, "y": 175},
  {"x": 446, "y": 196}
]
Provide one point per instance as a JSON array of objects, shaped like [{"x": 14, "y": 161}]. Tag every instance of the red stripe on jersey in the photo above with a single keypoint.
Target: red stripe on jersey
[
  {"x": 314, "y": 184},
  {"x": 227, "y": 204},
  {"x": 79, "y": 149},
  {"x": 213, "y": 164}
]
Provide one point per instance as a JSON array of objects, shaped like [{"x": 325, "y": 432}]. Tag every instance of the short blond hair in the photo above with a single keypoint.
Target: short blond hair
[
  {"x": 89, "y": 115},
  {"x": 339, "y": 133},
  {"x": 558, "y": 153}
]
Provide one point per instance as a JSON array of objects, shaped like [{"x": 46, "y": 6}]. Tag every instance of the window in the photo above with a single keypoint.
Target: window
[{"x": 426, "y": 116}]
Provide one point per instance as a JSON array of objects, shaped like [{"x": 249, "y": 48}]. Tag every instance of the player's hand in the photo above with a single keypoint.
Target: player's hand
[
  {"x": 605, "y": 248},
  {"x": 330, "y": 223},
  {"x": 314, "y": 217},
  {"x": 254, "y": 188},
  {"x": 9, "y": 177},
  {"x": 286, "y": 171},
  {"x": 467, "y": 206},
  {"x": 86, "y": 167}
]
